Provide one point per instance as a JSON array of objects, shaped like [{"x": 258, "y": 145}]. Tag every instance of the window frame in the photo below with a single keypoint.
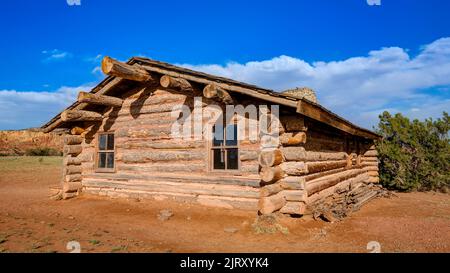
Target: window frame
[
  {"x": 211, "y": 149},
  {"x": 98, "y": 151}
]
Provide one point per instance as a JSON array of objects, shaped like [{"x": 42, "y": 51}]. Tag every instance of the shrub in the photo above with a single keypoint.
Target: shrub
[
  {"x": 45, "y": 151},
  {"x": 414, "y": 155}
]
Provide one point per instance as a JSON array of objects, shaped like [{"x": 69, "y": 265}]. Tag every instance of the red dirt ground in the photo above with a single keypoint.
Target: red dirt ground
[{"x": 31, "y": 222}]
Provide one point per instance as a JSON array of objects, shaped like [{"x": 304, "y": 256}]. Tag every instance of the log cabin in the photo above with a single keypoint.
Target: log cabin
[{"x": 120, "y": 142}]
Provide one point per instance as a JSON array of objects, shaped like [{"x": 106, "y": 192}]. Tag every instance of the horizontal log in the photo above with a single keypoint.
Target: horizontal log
[
  {"x": 322, "y": 183},
  {"x": 324, "y": 156},
  {"x": 163, "y": 145},
  {"x": 270, "y": 158},
  {"x": 295, "y": 195},
  {"x": 294, "y": 208},
  {"x": 153, "y": 156},
  {"x": 163, "y": 167},
  {"x": 213, "y": 91},
  {"x": 369, "y": 159},
  {"x": 289, "y": 139},
  {"x": 270, "y": 189},
  {"x": 248, "y": 180},
  {"x": 269, "y": 204},
  {"x": 72, "y": 178},
  {"x": 373, "y": 173},
  {"x": 248, "y": 155},
  {"x": 122, "y": 70},
  {"x": 271, "y": 174},
  {"x": 72, "y": 186},
  {"x": 178, "y": 84},
  {"x": 77, "y": 130},
  {"x": 91, "y": 98},
  {"x": 72, "y": 169},
  {"x": 155, "y": 132},
  {"x": 70, "y": 160},
  {"x": 80, "y": 115},
  {"x": 342, "y": 186},
  {"x": 294, "y": 168},
  {"x": 294, "y": 153},
  {"x": 186, "y": 187},
  {"x": 320, "y": 166},
  {"x": 250, "y": 167},
  {"x": 292, "y": 183},
  {"x": 313, "y": 176},
  {"x": 72, "y": 140},
  {"x": 73, "y": 150}
]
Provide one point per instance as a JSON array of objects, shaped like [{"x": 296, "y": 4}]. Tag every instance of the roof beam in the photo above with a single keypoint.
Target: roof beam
[
  {"x": 122, "y": 70},
  {"x": 212, "y": 91},
  {"x": 174, "y": 83},
  {"x": 80, "y": 115},
  {"x": 84, "y": 97},
  {"x": 312, "y": 111}
]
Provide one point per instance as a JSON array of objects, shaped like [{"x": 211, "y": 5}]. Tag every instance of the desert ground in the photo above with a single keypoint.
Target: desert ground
[{"x": 31, "y": 222}]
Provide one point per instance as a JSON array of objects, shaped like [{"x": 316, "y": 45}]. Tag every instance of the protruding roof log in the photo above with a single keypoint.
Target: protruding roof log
[
  {"x": 175, "y": 83},
  {"x": 99, "y": 99},
  {"x": 80, "y": 115},
  {"x": 212, "y": 91},
  {"x": 130, "y": 72}
]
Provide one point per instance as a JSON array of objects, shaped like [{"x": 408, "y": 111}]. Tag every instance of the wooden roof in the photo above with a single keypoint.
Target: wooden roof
[{"x": 302, "y": 106}]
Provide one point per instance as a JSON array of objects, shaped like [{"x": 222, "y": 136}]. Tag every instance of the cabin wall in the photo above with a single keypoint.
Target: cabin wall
[
  {"x": 151, "y": 163},
  {"x": 325, "y": 162}
]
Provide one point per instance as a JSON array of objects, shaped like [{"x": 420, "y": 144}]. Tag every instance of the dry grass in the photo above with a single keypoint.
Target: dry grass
[{"x": 28, "y": 163}]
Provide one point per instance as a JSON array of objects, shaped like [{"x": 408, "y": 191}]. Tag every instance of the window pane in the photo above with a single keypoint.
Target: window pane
[
  {"x": 110, "y": 160},
  {"x": 110, "y": 145},
  {"x": 232, "y": 159},
  {"x": 218, "y": 135},
  {"x": 218, "y": 159},
  {"x": 231, "y": 135},
  {"x": 102, "y": 142},
  {"x": 101, "y": 160}
]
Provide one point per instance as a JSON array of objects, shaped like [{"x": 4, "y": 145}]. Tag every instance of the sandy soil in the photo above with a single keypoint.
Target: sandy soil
[{"x": 31, "y": 222}]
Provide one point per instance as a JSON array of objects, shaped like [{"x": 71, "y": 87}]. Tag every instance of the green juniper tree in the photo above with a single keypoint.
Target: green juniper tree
[{"x": 414, "y": 155}]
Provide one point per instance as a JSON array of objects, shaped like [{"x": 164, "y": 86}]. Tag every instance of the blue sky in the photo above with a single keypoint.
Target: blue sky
[{"x": 360, "y": 59}]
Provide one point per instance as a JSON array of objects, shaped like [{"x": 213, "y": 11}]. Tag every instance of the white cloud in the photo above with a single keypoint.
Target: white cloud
[
  {"x": 55, "y": 55},
  {"x": 24, "y": 109},
  {"x": 359, "y": 88}
]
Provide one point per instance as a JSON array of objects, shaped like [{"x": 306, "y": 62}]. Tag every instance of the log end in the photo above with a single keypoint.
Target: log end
[
  {"x": 107, "y": 65},
  {"x": 165, "y": 81}
]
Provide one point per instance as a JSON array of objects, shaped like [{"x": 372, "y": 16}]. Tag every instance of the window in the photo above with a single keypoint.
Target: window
[
  {"x": 105, "y": 153},
  {"x": 224, "y": 150}
]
